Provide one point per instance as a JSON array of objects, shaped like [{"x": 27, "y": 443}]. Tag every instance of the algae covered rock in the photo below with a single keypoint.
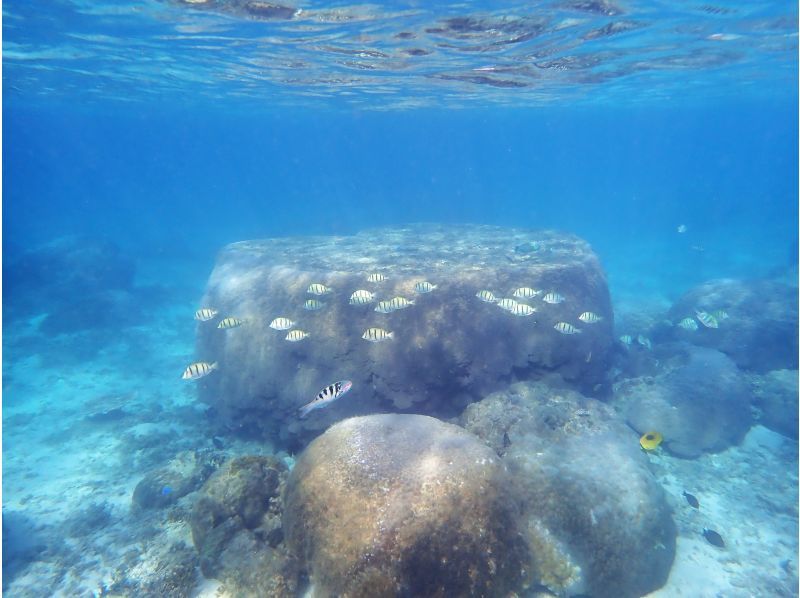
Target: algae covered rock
[
  {"x": 700, "y": 403},
  {"x": 182, "y": 475},
  {"x": 447, "y": 350},
  {"x": 404, "y": 505},
  {"x": 775, "y": 396},
  {"x": 760, "y": 332},
  {"x": 597, "y": 520}
]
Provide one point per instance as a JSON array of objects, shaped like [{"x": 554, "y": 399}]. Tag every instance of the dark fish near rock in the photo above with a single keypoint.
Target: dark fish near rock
[
  {"x": 713, "y": 537},
  {"x": 691, "y": 499}
]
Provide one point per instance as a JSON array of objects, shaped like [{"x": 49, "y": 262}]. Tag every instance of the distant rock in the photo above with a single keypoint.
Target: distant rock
[
  {"x": 448, "y": 350},
  {"x": 236, "y": 528},
  {"x": 760, "y": 333},
  {"x": 597, "y": 521},
  {"x": 404, "y": 505},
  {"x": 775, "y": 396},
  {"x": 700, "y": 402}
]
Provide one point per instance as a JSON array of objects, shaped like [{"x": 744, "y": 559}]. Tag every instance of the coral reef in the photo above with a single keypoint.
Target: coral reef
[
  {"x": 404, "y": 505},
  {"x": 448, "y": 349},
  {"x": 775, "y": 396},
  {"x": 699, "y": 402},
  {"x": 182, "y": 475},
  {"x": 236, "y": 528},
  {"x": 588, "y": 531},
  {"x": 760, "y": 333}
]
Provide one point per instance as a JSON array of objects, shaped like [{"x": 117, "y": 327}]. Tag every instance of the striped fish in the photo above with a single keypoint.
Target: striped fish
[
  {"x": 401, "y": 302},
  {"x": 326, "y": 396},
  {"x": 688, "y": 324},
  {"x": 198, "y": 370},
  {"x": 486, "y": 296},
  {"x": 566, "y": 328},
  {"x": 553, "y": 298},
  {"x": 526, "y": 293},
  {"x": 626, "y": 339},
  {"x": 361, "y": 297},
  {"x": 313, "y": 305},
  {"x": 376, "y": 335},
  {"x": 520, "y": 309},
  {"x": 230, "y": 323},
  {"x": 296, "y": 335},
  {"x": 281, "y": 323},
  {"x": 376, "y": 277},
  {"x": 706, "y": 319},
  {"x": 424, "y": 287},
  {"x": 589, "y": 317},
  {"x": 720, "y": 315},
  {"x": 507, "y": 304},
  {"x": 318, "y": 289},
  {"x": 204, "y": 314},
  {"x": 387, "y": 307}
]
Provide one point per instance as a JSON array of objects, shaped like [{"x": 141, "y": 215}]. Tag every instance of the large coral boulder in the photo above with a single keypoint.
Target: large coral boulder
[
  {"x": 700, "y": 402},
  {"x": 597, "y": 520},
  {"x": 760, "y": 332},
  {"x": 403, "y": 505},
  {"x": 448, "y": 349},
  {"x": 775, "y": 397}
]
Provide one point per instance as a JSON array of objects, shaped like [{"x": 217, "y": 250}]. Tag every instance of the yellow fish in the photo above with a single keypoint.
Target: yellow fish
[{"x": 650, "y": 440}]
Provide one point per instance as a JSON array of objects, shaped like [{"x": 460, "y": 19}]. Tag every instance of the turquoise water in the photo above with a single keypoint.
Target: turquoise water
[{"x": 140, "y": 138}]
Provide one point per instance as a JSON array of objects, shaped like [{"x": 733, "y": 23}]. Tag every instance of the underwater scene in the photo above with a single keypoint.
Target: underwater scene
[{"x": 400, "y": 299}]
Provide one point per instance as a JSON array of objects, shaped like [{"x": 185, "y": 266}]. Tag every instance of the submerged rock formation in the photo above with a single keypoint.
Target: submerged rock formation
[
  {"x": 700, "y": 403},
  {"x": 404, "y": 505},
  {"x": 760, "y": 332},
  {"x": 448, "y": 349},
  {"x": 597, "y": 520},
  {"x": 775, "y": 397}
]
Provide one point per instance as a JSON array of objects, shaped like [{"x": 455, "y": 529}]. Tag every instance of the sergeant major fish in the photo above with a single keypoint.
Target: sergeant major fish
[
  {"x": 566, "y": 328},
  {"x": 361, "y": 297},
  {"x": 525, "y": 293},
  {"x": 688, "y": 324},
  {"x": 204, "y": 314},
  {"x": 424, "y": 287},
  {"x": 281, "y": 323},
  {"x": 318, "y": 289},
  {"x": 313, "y": 305},
  {"x": 507, "y": 304},
  {"x": 553, "y": 298},
  {"x": 521, "y": 309},
  {"x": 486, "y": 296},
  {"x": 230, "y": 323},
  {"x": 198, "y": 370},
  {"x": 376, "y": 335},
  {"x": 589, "y": 317},
  {"x": 326, "y": 396},
  {"x": 626, "y": 339},
  {"x": 296, "y": 335},
  {"x": 376, "y": 277},
  {"x": 706, "y": 319}
]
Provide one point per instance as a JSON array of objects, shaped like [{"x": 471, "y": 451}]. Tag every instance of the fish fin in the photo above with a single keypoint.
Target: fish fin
[
  {"x": 412, "y": 302},
  {"x": 306, "y": 409},
  {"x": 214, "y": 365},
  {"x": 390, "y": 334}
]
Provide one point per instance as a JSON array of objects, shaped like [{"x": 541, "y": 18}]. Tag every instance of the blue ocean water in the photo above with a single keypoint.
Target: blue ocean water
[{"x": 140, "y": 138}]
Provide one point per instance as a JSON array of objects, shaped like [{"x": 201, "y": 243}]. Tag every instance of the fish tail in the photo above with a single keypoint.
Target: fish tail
[
  {"x": 390, "y": 334},
  {"x": 306, "y": 409},
  {"x": 412, "y": 301},
  {"x": 214, "y": 365}
]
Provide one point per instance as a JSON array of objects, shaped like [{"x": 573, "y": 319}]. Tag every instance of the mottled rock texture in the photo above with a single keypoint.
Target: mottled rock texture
[
  {"x": 236, "y": 528},
  {"x": 448, "y": 350},
  {"x": 183, "y": 474},
  {"x": 404, "y": 505},
  {"x": 761, "y": 333},
  {"x": 775, "y": 396},
  {"x": 597, "y": 520},
  {"x": 700, "y": 402}
]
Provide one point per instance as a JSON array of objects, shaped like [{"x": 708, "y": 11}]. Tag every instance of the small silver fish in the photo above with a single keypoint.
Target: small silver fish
[
  {"x": 384, "y": 307},
  {"x": 376, "y": 335},
  {"x": 626, "y": 339},
  {"x": 198, "y": 370},
  {"x": 553, "y": 298},
  {"x": 313, "y": 305},
  {"x": 281, "y": 323},
  {"x": 706, "y": 319},
  {"x": 326, "y": 396},
  {"x": 230, "y": 323},
  {"x": 401, "y": 302},
  {"x": 566, "y": 328},
  {"x": 589, "y": 317},
  {"x": 521, "y": 309},
  {"x": 644, "y": 341},
  {"x": 720, "y": 315},
  {"x": 204, "y": 314},
  {"x": 507, "y": 304},
  {"x": 688, "y": 324},
  {"x": 318, "y": 289},
  {"x": 296, "y": 335},
  {"x": 526, "y": 293},
  {"x": 361, "y": 297},
  {"x": 486, "y": 296},
  {"x": 424, "y": 287},
  {"x": 376, "y": 277}
]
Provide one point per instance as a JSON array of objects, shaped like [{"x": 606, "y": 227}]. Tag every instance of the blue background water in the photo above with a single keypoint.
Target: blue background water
[{"x": 181, "y": 183}]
